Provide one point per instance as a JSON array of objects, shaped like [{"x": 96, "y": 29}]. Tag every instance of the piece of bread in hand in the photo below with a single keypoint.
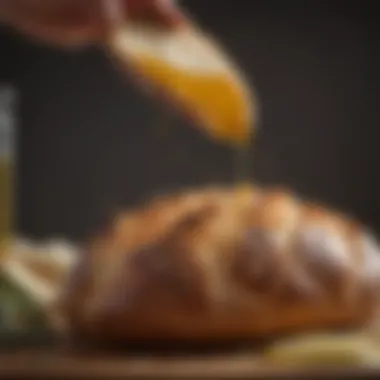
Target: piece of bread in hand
[{"x": 188, "y": 69}]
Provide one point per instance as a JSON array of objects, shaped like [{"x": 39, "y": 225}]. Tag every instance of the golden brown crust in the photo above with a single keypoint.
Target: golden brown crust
[{"x": 223, "y": 264}]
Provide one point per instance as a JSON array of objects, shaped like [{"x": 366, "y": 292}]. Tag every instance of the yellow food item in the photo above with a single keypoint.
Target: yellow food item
[
  {"x": 188, "y": 68},
  {"x": 324, "y": 349}
]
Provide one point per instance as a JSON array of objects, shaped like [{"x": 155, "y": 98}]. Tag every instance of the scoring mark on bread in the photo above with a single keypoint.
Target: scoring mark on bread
[
  {"x": 324, "y": 254},
  {"x": 166, "y": 270},
  {"x": 260, "y": 269}
]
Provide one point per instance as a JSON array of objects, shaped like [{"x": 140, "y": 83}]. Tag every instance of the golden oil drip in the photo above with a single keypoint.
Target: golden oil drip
[
  {"x": 242, "y": 165},
  {"x": 242, "y": 171}
]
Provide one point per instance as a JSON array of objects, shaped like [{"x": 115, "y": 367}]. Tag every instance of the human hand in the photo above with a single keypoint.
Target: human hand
[{"x": 74, "y": 23}]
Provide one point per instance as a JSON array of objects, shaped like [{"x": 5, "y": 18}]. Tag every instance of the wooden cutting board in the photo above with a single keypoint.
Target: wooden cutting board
[{"x": 54, "y": 364}]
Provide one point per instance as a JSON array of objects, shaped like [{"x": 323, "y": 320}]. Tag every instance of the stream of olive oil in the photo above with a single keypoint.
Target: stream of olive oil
[{"x": 242, "y": 167}]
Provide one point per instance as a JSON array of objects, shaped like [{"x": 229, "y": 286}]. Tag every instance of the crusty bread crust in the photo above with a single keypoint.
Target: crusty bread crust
[{"x": 224, "y": 264}]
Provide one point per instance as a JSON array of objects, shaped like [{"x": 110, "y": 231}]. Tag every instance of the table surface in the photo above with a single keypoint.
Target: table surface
[{"x": 57, "y": 364}]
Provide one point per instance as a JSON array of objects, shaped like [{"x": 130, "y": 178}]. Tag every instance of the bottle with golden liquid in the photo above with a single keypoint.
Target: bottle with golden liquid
[{"x": 7, "y": 161}]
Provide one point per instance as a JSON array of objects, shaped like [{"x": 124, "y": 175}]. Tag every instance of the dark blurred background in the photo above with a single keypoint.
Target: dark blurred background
[{"x": 88, "y": 142}]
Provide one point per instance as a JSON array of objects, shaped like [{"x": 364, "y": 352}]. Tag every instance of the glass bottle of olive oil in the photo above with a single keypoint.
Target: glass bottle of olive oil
[{"x": 7, "y": 160}]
